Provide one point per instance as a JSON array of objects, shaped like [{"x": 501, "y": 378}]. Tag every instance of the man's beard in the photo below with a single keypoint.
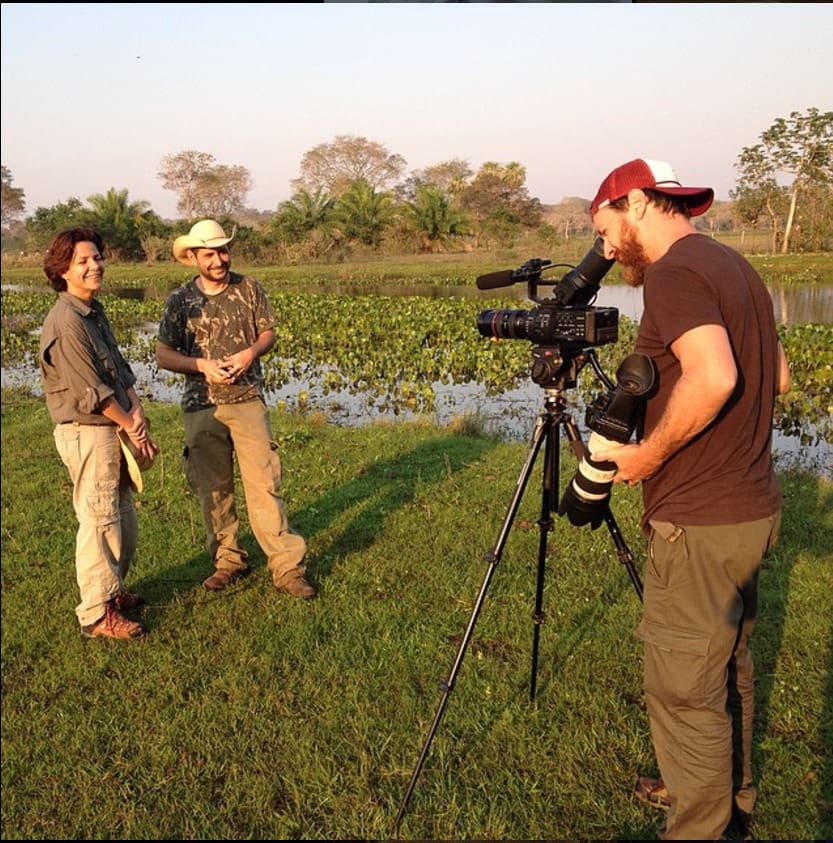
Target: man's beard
[{"x": 632, "y": 257}]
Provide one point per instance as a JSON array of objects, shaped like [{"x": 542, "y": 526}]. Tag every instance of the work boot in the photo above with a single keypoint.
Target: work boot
[
  {"x": 113, "y": 625},
  {"x": 652, "y": 792},
  {"x": 220, "y": 579},
  {"x": 297, "y": 587},
  {"x": 740, "y": 826}
]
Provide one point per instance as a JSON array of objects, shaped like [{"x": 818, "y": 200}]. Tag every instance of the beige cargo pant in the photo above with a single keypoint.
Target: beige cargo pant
[
  {"x": 213, "y": 438},
  {"x": 108, "y": 526}
]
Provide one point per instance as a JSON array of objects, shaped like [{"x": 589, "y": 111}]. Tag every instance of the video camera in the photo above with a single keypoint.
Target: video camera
[{"x": 567, "y": 317}]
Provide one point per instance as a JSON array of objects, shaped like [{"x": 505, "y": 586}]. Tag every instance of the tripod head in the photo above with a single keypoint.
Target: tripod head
[{"x": 557, "y": 366}]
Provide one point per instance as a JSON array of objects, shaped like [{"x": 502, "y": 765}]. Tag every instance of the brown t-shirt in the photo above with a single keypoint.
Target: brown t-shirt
[{"x": 724, "y": 475}]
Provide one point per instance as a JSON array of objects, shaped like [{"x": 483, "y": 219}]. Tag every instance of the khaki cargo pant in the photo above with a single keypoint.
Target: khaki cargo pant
[
  {"x": 108, "y": 527},
  {"x": 213, "y": 437},
  {"x": 700, "y": 602}
]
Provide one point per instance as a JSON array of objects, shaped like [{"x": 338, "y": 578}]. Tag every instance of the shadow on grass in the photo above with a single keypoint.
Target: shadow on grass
[
  {"x": 806, "y": 530},
  {"x": 380, "y": 488}
]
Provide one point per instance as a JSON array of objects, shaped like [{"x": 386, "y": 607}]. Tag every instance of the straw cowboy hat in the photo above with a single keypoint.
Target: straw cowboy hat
[
  {"x": 135, "y": 460},
  {"x": 206, "y": 234}
]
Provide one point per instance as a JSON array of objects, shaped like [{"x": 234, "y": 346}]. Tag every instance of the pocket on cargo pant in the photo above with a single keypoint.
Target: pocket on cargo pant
[{"x": 675, "y": 662}]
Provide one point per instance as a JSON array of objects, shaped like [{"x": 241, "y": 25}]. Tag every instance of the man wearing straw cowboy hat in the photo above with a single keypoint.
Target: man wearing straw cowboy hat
[{"x": 214, "y": 330}]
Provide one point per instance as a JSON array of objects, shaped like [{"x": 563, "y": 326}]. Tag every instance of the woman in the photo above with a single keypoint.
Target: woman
[{"x": 90, "y": 395}]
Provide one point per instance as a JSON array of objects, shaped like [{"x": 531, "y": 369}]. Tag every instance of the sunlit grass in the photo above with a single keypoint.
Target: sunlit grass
[{"x": 247, "y": 715}]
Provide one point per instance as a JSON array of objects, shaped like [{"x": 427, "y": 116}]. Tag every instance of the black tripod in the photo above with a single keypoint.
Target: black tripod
[{"x": 555, "y": 373}]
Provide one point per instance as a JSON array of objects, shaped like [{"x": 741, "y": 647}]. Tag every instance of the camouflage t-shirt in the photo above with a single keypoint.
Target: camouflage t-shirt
[{"x": 212, "y": 327}]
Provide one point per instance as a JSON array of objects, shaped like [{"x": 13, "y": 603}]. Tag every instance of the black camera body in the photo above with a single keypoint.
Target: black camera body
[
  {"x": 567, "y": 317},
  {"x": 618, "y": 413},
  {"x": 613, "y": 416},
  {"x": 552, "y": 324}
]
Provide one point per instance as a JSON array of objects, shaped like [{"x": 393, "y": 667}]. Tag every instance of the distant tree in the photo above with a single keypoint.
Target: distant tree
[
  {"x": 182, "y": 173},
  {"x": 155, "y": 236},
  {"x": 513, "y": 173},
  {"x": 747, "y": 206},
  {"x": 304, "y": 212},
  {"x": 499, "y": 203},
  {"x": 813, "y": 229},
  {"x": 758, "y": 192},
  {"x": 801, "y": 147},
  {"x": 435, "y": 220},
  {"x": 362, "y": 214},
  {"x": 571, "y": 216},
  {"x": 205, "y": 189},
  {"x": 221, "y": 191},
  {"x": 449, "y": 176},
  {"x": 720, "y": 217},
  {"x": 12, "y": 200},
  {"x": 45, "y": 223},
  {"x": 346, "y": 161},
  {"x": 117, "y": 220}
]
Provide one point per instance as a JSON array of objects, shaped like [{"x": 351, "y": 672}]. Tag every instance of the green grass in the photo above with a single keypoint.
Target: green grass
[{"x": 247, "y": 715}]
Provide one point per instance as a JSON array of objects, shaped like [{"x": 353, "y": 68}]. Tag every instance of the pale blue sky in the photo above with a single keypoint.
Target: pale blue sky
[{"x": 93, "y": 96}]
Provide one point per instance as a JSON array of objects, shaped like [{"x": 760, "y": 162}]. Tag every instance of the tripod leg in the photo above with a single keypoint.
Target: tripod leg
[
  {"x": 623, "y": 552},
  {"x": 492, "y": 557},
  {"x": 545, "y": 525}
]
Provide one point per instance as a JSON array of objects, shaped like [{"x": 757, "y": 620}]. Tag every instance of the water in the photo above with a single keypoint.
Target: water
[
  {"x": 793, "y": 306},
  {"x": 511, "y": 415}
]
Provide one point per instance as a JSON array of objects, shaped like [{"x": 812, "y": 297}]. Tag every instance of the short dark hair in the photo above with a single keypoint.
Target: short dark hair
[
  {"x": 59, "y": 255},
  {"x": 665, "y": 202}
]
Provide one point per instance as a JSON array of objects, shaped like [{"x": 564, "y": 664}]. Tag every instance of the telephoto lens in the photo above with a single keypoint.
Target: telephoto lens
[
  {"x": 587, "y": 495},
  {"x": 612, "y": 419}
]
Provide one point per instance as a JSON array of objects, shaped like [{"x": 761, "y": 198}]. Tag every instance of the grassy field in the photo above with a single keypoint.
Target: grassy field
[
  {"x": 247, "y": 715},
  {"x": 459, "y": 268}
]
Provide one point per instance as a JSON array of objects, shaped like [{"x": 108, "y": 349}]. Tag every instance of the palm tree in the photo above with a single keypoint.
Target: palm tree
[
  {"x": 363, "y": 214},
  {"x": 305, "y": 212},
  {"x": 118, "y": 220},
  {"x": 435, "y": 219}
]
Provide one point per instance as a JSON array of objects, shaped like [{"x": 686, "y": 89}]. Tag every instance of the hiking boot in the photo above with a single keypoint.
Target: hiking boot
[
  {"x": 220, "y": 579},
  {"x": 652, "y": 792},
  {"x": 113, "y": 625},
  {"x": 298, "y": 587},
  {"x": 124, "y": 601}
]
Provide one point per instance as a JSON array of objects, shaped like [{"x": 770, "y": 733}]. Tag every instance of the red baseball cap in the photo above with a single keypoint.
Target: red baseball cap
[{"x": 656, "y": 175}]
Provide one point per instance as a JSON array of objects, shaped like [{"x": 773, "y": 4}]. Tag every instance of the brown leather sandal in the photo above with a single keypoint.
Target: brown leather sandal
[{"x": 652, "y": 792}]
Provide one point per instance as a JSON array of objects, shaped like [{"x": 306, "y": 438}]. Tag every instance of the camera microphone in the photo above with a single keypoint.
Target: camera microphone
[
  {"x": 579, "y": 285},
  {"x": 530, "y": 271},
  {"x": 492, "y": 280}
]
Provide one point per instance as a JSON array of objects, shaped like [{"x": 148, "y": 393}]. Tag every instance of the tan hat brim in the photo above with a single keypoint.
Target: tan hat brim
[
  {"x": 185, "y": 242},
  {"x": 130, "y": 459}
]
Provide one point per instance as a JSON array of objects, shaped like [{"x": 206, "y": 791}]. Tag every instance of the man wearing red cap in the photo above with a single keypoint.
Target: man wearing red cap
[{"x": 712, "y": 503}]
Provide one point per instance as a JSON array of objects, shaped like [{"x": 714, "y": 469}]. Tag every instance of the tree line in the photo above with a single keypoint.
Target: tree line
[{"x": 353, "y": 197}]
